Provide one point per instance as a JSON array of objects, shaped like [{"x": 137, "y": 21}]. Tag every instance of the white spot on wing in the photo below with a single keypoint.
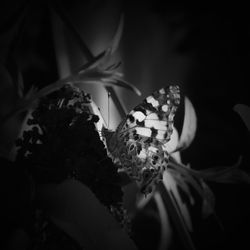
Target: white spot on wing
[
  {"x": 152, "y": 100},
  {"x": 153, "y": 116},
  {"x": 138, "y": 115},
  {"x": 143, "y": 131},
  {"x": 162, "y": 125},
  {"x": 164, "y": 108},
  {"x": 142, "y": 154},
  {"x": 160, "y": 135}
]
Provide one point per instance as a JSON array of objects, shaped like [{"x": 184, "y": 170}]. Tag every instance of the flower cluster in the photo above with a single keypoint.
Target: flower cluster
[{"x": 62, "y": 143}]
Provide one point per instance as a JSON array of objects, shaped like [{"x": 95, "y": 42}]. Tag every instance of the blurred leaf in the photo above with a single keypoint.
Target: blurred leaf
[
  {"x": 117, "y": 37},
  {"x": 102, "y": 59},
  {"x": 10, "y": 27},
  {"x": 57, "y": 7},
  {"x": 7, "y": 98},
  {"x": 208, "y": 203},
  {"x": 230, "y": 174},
  {"x": 75, "y": 209},
  {"x": 91, "y": 76},
  {"x": 106, "y": 77},
  {"x": 244, "y": 112},
  {"x": 185, "y": 178},
  {"x": 166, "y": 229},
  {"x": 189, "y": 126},
  {"x": 26, "y": 103},
  {"x": 93, "y": 62},
  {"x": 10, "y": 126}
]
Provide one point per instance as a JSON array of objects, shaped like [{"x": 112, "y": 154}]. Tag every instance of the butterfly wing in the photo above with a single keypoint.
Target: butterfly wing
[
  {"x": 153, "y": 118},
  {"x": 138, "y": 140}
]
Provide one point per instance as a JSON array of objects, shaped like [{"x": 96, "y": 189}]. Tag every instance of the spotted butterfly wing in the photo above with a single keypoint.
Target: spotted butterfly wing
[{"x": 137, "y": 143}]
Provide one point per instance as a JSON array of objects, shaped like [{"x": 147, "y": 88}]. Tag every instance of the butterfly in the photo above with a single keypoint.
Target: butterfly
[{"x": 137, "y": 145}]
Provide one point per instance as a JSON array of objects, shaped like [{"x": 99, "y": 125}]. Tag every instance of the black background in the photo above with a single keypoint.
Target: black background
[{"x": 216, "y": 41}]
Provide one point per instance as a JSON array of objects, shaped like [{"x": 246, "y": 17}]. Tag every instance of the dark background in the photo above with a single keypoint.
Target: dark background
[{"x": 205, "y": 48}]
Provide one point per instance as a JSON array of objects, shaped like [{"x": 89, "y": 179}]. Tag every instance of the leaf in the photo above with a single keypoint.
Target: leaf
[
  {"x": 189, "y": 126},
  {"x": 7, "y": 91},
  {"x": 230, "y": 174},
  {"x": 57, "y": 7},
  {"x": 93, "y": 76},
  {"x": 11, "y": 27},
  {"x": 76, "y": 210},
  {"x": 100, "y": 60},
  {"x": 185, "y": 178},
  {"x": 105, "y": 77},
  {"x": 117, "y": 37},
  {"x": 208, "y": 202},
  {"x": 92, "y": 63},
  {"x": 166, "y": 230},
  {"x": 171, "y": 183},
  {"x": 244, "y": 112},
  {"x": 9, "y": 128}
]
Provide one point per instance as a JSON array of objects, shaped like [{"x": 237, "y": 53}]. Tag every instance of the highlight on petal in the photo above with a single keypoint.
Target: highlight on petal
[
  {"x": 244, "y": 112},
  {"x": 177, "y": 210},
  {"x": 185, "y": 177},
  {"x": 189, "y": 126},
  {"x": 105, "y": 77},
  {"x": 171, "y": 184},
  {"x": 171, "y": 145},
  {"x": 166, "y": 230}
]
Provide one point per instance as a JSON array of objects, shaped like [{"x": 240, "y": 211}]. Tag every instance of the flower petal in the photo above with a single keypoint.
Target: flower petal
[{"x": 189, "y": 126}]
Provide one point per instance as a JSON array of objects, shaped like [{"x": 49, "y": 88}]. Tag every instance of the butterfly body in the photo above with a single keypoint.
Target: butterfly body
[{"x": 137, "y": 143}]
